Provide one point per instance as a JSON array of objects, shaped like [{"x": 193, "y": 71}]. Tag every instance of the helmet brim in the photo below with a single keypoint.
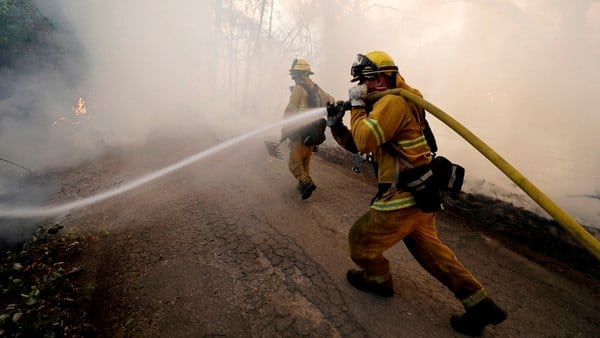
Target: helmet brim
[{"x": 308, "y": 72}]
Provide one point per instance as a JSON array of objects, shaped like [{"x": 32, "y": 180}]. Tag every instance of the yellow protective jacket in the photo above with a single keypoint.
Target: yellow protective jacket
[
  {"x": 393, "y": 128},
  {"x": 300, "y": 101}
]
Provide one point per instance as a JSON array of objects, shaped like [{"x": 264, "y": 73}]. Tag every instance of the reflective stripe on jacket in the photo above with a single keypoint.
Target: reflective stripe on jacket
[{"x": 394, "y": 127}]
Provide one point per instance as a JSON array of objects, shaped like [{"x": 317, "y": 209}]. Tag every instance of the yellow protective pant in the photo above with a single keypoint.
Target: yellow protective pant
[
  {"x": 376, "y": 231},
  {"x": 299, "y": 161}
]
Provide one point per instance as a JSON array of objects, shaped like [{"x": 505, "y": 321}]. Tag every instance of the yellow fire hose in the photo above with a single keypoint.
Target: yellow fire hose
[{"x": 588, "y": 241}]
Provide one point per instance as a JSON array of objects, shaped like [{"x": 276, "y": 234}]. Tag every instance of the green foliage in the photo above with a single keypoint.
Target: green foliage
[
  {"x": 41, "y": 293},
  {"x": 19, "y": 20}
]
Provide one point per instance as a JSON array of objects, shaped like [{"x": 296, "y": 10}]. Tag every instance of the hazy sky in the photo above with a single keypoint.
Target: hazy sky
[{"x": 522, "y": 75}]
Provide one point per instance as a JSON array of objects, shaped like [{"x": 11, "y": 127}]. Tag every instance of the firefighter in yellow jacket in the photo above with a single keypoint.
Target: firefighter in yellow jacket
[
  {"x": 393, "y": 129},
  {"x": 305, "y": 94}
]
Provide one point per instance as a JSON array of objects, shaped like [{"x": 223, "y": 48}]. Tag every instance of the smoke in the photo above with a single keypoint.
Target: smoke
[
  {"x": 146, "y": 69},
  {"x": 522, "y": 76}
]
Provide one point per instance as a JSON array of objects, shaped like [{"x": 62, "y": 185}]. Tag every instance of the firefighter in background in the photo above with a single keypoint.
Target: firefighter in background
[
  {"x": 304, "y": 140},
  {"x": 393, "y": 127}
]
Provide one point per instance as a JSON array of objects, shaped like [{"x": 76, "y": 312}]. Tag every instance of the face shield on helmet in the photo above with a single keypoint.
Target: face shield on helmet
[
  {"x": 370, "y": 65},
  {"x": 362, "y": 68}
]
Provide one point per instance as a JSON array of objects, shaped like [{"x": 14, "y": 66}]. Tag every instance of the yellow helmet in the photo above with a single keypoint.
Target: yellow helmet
[
  {"x": 300, "y": 65},
  {"x": 372, "y": 63}
]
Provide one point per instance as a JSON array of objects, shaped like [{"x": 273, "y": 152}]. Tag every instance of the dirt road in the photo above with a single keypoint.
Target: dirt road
[{"x": 225, "y": 247}]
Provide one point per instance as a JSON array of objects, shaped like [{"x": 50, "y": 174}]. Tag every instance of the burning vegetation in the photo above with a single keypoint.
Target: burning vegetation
[{"x": 79, "y": 112}]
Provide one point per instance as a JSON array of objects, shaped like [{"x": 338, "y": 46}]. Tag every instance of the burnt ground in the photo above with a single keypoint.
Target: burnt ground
[{"x": 226, "y": 248}]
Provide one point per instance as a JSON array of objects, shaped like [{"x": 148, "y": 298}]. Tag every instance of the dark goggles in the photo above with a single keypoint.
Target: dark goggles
[{"x": 361, "y": 65}]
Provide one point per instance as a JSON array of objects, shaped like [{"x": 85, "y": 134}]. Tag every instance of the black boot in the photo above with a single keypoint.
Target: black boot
[
  {"x": 358, "y": 279},
  {"x": 476, "y": 318},
  {"x": 306, "y": 189}
]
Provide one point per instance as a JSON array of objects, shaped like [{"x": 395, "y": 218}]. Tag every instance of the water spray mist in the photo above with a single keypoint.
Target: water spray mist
[{"x": 54, "y": 210}]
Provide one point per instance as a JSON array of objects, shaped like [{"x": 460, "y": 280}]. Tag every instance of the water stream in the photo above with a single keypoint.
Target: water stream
[{"x": 54, "y": 210}]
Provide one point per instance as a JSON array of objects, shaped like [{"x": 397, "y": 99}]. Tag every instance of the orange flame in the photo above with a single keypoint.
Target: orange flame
[{"x": 79, "y": 111}]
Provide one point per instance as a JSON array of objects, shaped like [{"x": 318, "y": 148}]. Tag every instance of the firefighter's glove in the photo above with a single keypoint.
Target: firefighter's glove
[
  {"x": 357, "y": 95},
  {"x": 335, "y": 113}
]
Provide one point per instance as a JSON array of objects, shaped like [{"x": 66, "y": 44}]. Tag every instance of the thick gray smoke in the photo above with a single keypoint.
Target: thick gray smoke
[{"x": 523, "y": 76}]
